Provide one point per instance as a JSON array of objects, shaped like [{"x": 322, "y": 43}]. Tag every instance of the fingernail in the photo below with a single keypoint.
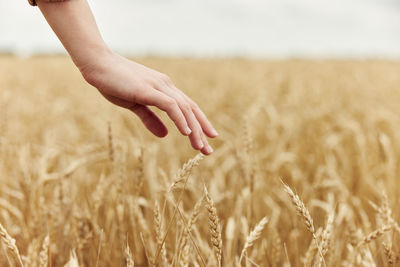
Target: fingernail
[
  {"x": 200, "y": 143},
  {"x": 214, "y": 132},
  {"x": 188, "y": 131},
  {"x": 209, "y": 149}
]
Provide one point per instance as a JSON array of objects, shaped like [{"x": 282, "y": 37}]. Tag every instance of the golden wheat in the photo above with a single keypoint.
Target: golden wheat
[
  {"x": 253, "y": 236},
  {"x": 9, "y": 242},
  {"x": 215, "y": 227},
  {"x": 80, "y": 177}
]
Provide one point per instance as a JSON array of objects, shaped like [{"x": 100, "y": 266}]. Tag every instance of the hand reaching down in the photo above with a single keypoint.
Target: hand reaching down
[
  {"x": 124, "y": 82},
  {"x": 135, "y": 87}
]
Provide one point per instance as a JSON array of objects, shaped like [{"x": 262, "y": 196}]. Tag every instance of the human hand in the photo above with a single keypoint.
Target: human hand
[
  {"x": 124, "y": 82},
  {"x": 135, "y": 87}
]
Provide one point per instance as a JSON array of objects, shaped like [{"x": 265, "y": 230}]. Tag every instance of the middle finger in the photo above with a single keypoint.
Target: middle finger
[{"x": 197, "y": 137}]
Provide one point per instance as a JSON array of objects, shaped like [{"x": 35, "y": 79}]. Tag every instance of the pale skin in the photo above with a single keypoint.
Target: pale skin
[{"x": 124, "y": 82}]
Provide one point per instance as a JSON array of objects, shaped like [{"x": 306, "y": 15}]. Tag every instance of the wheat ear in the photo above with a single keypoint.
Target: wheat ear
[
  {"x": 186, "y": 231},
  {"x": 44, "y": 253},
  {"x": 388, "y": 253},
  {"x": 303, "y": 212},
  {"x": 9, "y": 242},
  {"x": 184, "y": 261},
  {"x": 192, "y": 220},
  {"x": 174, "y": 213},
  {"x": 185, "y": 170},
  {"x": 214, "y": 226},
  {"x": 159, "y": 232},
  {"x": 374, "y": 235},
  {"x": 128, "y": 255},
  {"x": 73, "y": 260},
  {"x": 276, "y": 249},
  {"x": 301, "y": 209},
  {"x": 327, "y": 234},
  {"x": 253, "y": 236}
]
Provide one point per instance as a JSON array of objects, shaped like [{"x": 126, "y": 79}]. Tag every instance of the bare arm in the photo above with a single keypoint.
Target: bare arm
[{"x": 124, "y": 82}]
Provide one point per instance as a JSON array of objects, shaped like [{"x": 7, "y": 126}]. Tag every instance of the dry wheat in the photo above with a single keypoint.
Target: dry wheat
[
  {"x": 214, "y": 226},
  {"x": 302, "y": 123},
  {"x": 9, "y": 242},
  {"x": 253, "y": 236}
]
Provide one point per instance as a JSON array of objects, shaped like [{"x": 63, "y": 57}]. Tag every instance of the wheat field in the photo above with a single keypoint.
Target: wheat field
[{"x": 304, "y": 171}]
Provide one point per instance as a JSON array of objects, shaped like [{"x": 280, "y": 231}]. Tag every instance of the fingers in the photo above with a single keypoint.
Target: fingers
[
  {"x": 207, "y": 149},
  {"x": 197, "y": 138},
  {"x": 186, "y": 115},
  {"x": 167, "y": 104},
  {"x": 152, "y": 122},
  {"x": 206, "y": 125}
]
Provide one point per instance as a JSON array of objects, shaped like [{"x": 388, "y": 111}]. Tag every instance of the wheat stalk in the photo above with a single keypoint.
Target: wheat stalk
[
  {"x": 374, "y": 235},
  {"x": 386, "y": 210},
  {"x": 31, "y": 255},
  {"x": 388, "y": 253},
  {"x": 301, "y": 209},
  {"x": 276, "y": 250},
  {"x": 73, "y": 260},
  {"x": 185, "y": 171},
  {"x": 44, "y": 253},
  {"x": 310, "y": 253},
  {"x": 303, "y": 212},
  {"x": 184, "y": 261},
  {"x": 159, "y": 233},
  {"x": 174, "y": 213},
  {"x": 9, "y": 242},
  {"x": 327, "y": 234},
  {"x": 192, "y": 220},
  {"x": 186, "y": 231},
  {"x": 50, "y": 172},
  {"x": 140, "y": 171},
  {"x": 253, "y": 236},
  {"x": 111, "y": 149},
  {"x": 128, "y": 256},
  {"x": 214, "y": 227}
]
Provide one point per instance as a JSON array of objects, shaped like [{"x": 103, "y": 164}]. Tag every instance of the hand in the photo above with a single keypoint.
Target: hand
[
  {"x": 135, "y": 87},
  {"x": 124, "y": 82}
]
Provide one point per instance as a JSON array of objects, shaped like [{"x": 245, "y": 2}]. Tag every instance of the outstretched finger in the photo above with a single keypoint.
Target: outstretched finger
[
  {"x": 207, "y": 149},
  {"x": 156, "y": 98},
  {"x": 206, "y": 125},
  {"x": 197, "y": 138}
]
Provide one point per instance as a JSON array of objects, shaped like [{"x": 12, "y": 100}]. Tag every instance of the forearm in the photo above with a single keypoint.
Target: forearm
[{"x": 75, "y": 26}]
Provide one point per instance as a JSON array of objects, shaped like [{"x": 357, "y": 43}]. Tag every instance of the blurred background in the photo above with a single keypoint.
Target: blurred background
[{"x": 209, "y": 28}]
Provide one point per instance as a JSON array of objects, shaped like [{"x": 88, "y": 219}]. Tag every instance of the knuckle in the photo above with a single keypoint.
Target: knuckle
[
  {"x": 197, "y": 134},
  {"x": 155, "y": 83},
  {"x": 170, "y": 102},
  {"x": 165, "y": 78},
  {"x": 185, "y": 106},
  {"x": 193, "y": 104}
]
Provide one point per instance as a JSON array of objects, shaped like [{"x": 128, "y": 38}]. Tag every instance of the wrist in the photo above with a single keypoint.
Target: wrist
[{"x": 93, "y": 61}]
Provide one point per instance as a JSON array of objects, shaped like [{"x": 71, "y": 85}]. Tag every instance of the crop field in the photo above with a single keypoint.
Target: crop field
[{"x": 305, "y": 169}]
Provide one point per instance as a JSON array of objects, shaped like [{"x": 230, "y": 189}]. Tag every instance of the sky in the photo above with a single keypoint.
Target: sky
[{"x": 208, "y": 28}]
